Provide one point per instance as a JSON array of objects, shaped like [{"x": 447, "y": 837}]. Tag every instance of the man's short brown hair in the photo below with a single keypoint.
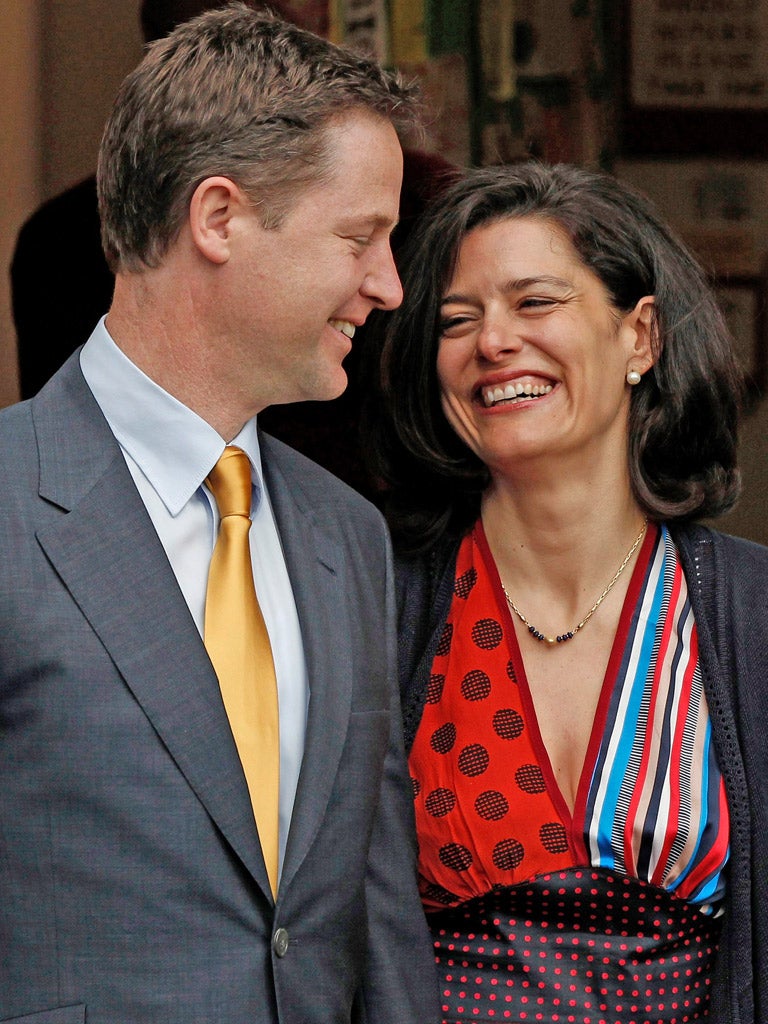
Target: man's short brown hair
[{"x": 233, "y": 92}]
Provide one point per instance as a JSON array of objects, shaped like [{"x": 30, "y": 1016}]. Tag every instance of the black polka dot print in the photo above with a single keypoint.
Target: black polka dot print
[
  {"x": 444, "y": 645},
  {"x": 440, "y": 802},
  {"x": 487, "y": 634},
  {"x": 553, "y": 837},
  {"x": 475, "y": 685},
  {"x": 508, "y": 724},
  {"x": 463, "y": 584},
  {"x": 508, "y": 854},
  {"x": 492, "y": 805},
  {"x": 439, "y": 894},
  {"x": 435, "y": 688},
  {"x": 530, "y": 778},
  {"x": 481, "y": 789},
  {"x": 456, "y": 856},
  {"x": 580, "y": 946},
  {"x": 443, "y": 739},
  {"x": 473, "y": 760}
]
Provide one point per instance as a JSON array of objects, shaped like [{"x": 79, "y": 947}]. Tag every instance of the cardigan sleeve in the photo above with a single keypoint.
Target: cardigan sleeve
[{"x": 728, "y": 586}]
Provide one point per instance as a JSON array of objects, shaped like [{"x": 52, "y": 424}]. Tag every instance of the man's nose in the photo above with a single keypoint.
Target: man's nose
[{"x": 382, "y": 283}]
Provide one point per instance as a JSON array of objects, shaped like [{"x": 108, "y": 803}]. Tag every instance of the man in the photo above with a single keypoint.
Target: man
[
  {"x": 54, "y": 312},
  {"x": 157, "y": 864}
]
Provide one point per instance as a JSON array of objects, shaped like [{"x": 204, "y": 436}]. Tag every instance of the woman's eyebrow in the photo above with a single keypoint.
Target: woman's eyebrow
[
  {"x": 514, "y": 285},
  {"x": 519, "y": 284}
]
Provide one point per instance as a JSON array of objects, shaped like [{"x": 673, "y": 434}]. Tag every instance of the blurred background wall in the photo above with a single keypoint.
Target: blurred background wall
[{"x": 60, "y": 64}]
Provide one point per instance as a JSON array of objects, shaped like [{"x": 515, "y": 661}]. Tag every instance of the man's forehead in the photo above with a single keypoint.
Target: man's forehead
[{"x": 364, "y": 146}]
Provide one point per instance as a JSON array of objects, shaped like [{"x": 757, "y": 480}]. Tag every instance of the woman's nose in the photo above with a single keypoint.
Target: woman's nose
[{"x": 497, "y": 336}]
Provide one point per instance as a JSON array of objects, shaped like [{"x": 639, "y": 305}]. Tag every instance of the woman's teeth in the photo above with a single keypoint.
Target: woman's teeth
[{"x": 514, "y": 393}]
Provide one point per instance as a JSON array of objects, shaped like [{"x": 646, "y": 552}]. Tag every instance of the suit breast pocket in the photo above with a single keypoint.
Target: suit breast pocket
[{"x": 59, "y": 1015}]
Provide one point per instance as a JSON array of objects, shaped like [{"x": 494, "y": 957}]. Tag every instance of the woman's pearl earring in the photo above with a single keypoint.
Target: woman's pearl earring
[{"x": 633, "y": 377}]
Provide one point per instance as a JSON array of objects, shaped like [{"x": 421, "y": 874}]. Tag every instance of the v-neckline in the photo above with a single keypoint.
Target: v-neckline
[{"x": 573, "y": 820}]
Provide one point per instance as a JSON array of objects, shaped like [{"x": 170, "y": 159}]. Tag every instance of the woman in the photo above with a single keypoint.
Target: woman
[{"x": 584, "y": 671}]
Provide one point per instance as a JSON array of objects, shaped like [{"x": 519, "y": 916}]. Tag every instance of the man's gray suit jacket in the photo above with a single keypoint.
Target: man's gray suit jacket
[{"x": 132, "y": 885}]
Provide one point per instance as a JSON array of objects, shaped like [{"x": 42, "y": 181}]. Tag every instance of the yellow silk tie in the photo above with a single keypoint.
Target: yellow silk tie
[{"x": 238, "y": 645}]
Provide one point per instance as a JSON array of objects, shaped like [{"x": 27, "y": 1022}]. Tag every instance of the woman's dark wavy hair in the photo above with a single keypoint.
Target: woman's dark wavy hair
[{"x": 683, "y": 414}]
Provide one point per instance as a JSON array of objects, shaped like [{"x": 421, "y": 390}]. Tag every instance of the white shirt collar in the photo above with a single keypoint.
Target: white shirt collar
[{"x": 173, "y": 446}]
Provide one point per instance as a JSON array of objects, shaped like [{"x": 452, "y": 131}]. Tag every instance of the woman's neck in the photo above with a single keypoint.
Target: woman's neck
[{"x": 560, "y": 541}]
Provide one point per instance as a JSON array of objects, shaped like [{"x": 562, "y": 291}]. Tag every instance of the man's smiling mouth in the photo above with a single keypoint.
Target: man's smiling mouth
[{"x": 344, "y": 326}]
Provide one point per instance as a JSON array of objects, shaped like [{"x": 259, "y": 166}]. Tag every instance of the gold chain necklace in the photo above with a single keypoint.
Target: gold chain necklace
[{"x": 571, "y": 633}]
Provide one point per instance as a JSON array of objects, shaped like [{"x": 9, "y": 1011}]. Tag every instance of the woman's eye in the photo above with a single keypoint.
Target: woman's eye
[
  {"x": 453, "y": 322},
  {"x": 536, "y": 302}
]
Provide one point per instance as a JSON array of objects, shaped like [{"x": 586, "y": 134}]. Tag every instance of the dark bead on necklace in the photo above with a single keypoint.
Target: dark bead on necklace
[{"x": 551, "y": 641}]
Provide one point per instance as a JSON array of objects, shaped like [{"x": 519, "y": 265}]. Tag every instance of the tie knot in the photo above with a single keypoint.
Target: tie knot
[{"x": 230, "y": 483}]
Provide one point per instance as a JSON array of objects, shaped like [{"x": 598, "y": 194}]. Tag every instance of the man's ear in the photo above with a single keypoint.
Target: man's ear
[
  {"x": 214, "y": 204},
  {"x": 642, "y": 340}
]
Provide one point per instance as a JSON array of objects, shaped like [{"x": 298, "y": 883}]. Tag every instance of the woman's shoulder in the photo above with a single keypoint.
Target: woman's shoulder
[
  {"x": 727, "y": 577},
  {"x": 423, "y": 585},
  {"x": 700, "y": 541},
  {"x": 418, "y": 575}
]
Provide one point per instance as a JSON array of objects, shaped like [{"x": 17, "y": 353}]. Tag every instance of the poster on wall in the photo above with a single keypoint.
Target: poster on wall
[
  {"x": 696, "y": 77},
  {"x": 699, "y": 55}
]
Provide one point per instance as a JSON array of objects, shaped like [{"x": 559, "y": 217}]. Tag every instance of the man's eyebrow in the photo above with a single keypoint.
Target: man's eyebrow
[
  {"x": 515, "y": 285},
  {"x": 373, "y": 220}
]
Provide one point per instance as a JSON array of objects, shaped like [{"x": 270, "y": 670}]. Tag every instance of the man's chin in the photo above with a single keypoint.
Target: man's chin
[
  {"x": 332, "y": 385},
  {"x": 319, "y": 390}
]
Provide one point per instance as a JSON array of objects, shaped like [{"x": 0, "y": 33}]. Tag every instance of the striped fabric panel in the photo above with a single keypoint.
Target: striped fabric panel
[{"x": 656, "y": 807}]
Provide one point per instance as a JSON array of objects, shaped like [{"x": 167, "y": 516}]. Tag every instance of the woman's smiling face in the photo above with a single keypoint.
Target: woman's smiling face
[{"x": 532, "y": 355}]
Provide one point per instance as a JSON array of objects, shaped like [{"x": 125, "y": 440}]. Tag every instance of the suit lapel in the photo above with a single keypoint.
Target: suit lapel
[
  {"x": 317, "y": 570},
  {"x": 109, "y": 557}
]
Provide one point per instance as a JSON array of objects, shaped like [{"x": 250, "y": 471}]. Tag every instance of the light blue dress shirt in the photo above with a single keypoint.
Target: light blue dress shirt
[{"x": 170, "y": 451}]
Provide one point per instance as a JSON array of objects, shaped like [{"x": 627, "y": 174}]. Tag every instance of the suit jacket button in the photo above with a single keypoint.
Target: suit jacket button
[{"x": 280, "y": 942}]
